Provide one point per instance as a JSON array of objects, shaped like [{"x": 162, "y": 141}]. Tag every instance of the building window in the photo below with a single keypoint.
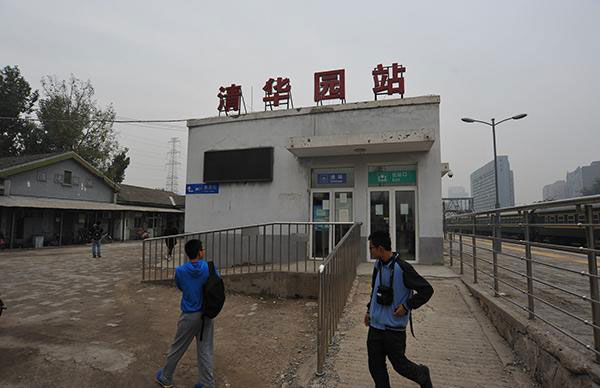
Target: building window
[
  {"x": 571, "y": 219},
  {"x": 41, "y": 176},
  {"x": 561, "y": 219},
  {"x": 67, "y": 178}
]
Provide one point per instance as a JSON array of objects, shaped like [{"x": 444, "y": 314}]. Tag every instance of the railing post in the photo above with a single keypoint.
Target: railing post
[
  {"x": 474, "y": 251},
  {"x": 498, "y": 233},
  {"x": 450, "y": 239},
  {"x": 143, "y": 260},
  {"x": 529, "y": 265},
  {"x": 460, "y": 252},
  {"x": 593, "y": 269},
  {"x": 495, "y": 245},
  {"x": 320, "y": 324}
]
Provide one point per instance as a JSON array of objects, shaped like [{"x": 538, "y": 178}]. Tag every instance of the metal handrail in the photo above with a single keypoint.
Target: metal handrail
[
  {"x": 248, "y": 248},
  {"x": 543, "y": 282},
  {"x": 275, "y": 246},
  {"x": 586, "y": 200},
  {"x": 336, "y": 276}
]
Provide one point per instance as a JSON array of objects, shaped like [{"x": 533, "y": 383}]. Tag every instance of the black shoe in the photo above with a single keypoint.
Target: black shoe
[
  {"x": 426, "y": 379},
  {"x": 94, "y": 257},
  {"x": 99, "y": 256}
]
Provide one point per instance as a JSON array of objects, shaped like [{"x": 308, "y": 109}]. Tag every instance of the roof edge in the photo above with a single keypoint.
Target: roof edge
[
  {"x": 57, "y": 158},
  {"x": 420, "y": 100}
]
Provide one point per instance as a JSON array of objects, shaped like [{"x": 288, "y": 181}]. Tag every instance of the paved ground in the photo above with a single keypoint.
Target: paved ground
[
  {"x": 73, "y": 321},
  {"x": 546, "y": 286},
  {"x": 453, "y": 338}
]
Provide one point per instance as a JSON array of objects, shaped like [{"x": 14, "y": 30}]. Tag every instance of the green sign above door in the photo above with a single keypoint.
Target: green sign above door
[{"x": 392, "y": 178}]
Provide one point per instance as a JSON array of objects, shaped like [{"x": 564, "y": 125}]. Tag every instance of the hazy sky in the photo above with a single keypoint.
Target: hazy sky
[{"x": 162, "y": 60}]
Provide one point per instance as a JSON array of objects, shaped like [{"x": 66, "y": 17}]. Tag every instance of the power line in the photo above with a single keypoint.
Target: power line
[{"x": 96, "y": 120}]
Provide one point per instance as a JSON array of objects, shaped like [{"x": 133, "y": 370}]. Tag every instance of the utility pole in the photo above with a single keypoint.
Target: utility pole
[{"x": 172, "y": 163}]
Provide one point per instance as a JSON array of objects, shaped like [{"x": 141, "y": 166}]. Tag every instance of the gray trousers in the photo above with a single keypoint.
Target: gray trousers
[{"x": 188, "y": 327}]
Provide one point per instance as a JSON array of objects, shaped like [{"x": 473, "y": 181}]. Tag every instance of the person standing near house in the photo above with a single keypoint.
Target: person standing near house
[
  {"x": 96, "y": 236},
  {"x": 170, "y": 231},
  {"x": 195, "y": 320},
  {"x": 397, "y": 289}
]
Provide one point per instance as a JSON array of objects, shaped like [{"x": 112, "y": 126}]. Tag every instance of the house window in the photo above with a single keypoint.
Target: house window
[
  {"x": 41, "y": 176},
  {"x": 67, "y": 178}
]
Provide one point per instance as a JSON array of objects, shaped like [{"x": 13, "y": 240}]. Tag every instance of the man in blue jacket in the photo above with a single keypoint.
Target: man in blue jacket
[
  {"x": 190, "y": 279},
  {"x": 397, "y": 289}
]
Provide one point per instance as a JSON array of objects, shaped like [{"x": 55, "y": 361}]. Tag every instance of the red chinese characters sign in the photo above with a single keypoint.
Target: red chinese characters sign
[
  {"x": 229, "y": 98},
  {"x": 330, "y": 85},
  {"x": 386, "y": 84},
  {"x": 277, "y": 91}
]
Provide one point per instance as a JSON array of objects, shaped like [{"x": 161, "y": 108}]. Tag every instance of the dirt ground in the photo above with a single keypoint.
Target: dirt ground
[{"x": 74, "y": 321}]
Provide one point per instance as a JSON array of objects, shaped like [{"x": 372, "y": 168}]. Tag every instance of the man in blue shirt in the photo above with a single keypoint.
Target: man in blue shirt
[
  {"x": 397, "y": 289},
  {"x": 190, "y": 279}
]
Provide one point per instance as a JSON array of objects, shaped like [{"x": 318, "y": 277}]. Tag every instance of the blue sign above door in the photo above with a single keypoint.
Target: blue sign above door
[
  {"x": 202, "y": 188},
  {"x": 332, "y": 178}
]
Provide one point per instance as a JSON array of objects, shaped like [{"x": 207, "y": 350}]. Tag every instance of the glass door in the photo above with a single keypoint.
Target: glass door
[
  {"x": 404, "y": 225},
  {"x": 394, "y": 210},
  {"x": 379, "y": 214},
  {"x": 320, "y": 213},
  {"x": 343, "y": 213}
]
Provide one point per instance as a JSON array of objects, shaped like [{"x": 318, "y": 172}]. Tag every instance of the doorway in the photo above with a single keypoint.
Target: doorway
[
  {"x": 394, "y": 209},
  {"x": 329, "y": 205}
]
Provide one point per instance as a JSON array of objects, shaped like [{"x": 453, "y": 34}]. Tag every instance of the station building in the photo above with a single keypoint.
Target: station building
[{"x": 375, "y": 162}]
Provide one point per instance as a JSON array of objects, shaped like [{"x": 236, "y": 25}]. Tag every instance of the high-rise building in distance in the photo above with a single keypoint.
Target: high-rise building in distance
[{"x": 483, "y": 186}]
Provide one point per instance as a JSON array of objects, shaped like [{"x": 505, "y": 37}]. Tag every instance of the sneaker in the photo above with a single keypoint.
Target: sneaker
[
  {"x": 99, "y": 256},
  {"x": 94, "y": 257},
  {"x": 426, "y": 378},
  {"x": 160, "y": 381}
]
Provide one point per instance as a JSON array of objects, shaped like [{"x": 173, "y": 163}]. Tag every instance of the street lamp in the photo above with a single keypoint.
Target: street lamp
[
  {"x": 493, "y": 125},
  {"x": 496, "y": 243}
]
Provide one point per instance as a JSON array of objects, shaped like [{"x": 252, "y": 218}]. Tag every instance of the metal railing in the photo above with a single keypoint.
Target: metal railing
[
  {"x": 536, "y": 270},
  {"x": 275, "y": 246},
  {"x": 336, "y": 276}
]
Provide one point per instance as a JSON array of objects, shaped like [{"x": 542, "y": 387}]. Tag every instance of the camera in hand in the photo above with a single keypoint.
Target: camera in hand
[{"x": 385, "y": 295}]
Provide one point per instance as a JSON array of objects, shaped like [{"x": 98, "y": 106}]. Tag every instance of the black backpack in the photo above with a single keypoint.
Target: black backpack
[{"x": 214, "y": 293}]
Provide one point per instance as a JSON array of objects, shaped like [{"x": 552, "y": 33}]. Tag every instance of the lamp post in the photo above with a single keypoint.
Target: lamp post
[{"x": 493, "y": 125}]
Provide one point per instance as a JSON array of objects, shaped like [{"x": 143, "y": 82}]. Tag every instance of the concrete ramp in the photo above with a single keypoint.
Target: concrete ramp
[{"x": 453, "y": 337}]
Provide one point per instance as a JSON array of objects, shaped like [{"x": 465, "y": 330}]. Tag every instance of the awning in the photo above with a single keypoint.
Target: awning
[
  {"x": 419, "y": 140},
  {"x": 69, "y": 204}
]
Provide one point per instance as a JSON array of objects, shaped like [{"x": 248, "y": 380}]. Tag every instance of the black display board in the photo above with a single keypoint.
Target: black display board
[{"x": 243, "y": 165}]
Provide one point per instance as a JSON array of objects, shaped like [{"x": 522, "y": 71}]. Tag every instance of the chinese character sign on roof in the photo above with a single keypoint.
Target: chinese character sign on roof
[
  {"x": 278, "y": 91},
  {"x": 386, "y": 84},
  {"x": 330, "y": 85},
  {"x": 230, "y": 99}
]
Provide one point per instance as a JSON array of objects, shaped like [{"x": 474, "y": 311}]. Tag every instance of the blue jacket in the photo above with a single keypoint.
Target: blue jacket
[
  {"x": 190, "y": 278},
  {"x": 406, "y": 280}
]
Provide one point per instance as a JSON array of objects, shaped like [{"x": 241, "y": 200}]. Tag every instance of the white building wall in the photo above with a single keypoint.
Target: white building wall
[{"x": 287, "y": 198}]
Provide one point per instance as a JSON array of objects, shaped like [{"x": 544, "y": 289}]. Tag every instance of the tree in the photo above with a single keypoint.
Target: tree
[
  {"x": 71, "y": 121},
  {"x": 16, "y": 100},
  {"x": 595, "y": 189}
]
